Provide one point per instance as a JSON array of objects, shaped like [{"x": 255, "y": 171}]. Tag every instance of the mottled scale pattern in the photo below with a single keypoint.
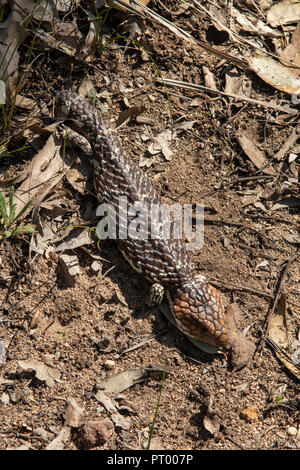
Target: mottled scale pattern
[{"x": 196, "y": 306}]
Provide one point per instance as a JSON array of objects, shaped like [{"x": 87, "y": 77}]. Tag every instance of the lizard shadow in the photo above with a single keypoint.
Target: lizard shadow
[{"x": 134, "y": 288}]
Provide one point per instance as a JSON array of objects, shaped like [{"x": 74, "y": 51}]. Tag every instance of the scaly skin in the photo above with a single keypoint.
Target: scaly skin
[{"x": 195, "y": 304}]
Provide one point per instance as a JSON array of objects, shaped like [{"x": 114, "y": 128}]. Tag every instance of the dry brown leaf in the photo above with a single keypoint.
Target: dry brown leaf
[
  {"x": 252, "y": 24},
  {"x": 209, "y": 78},
  {"x": 45, "y": 373},
  {"x": 65, "y": 37},
  {"x": 156, "y": 444},
  {"x": 12, "y": 34},
  {"x": 278, "y": 336},
  {"x": 161, "y": 144},
  {"x": 75, "y": 239},
  {"x": 120, "y": 382},
  {"x": 211, "y": 421},
  {"x": 40, "y": 243},
  {"x": 242, "y": 348},
  {"x": 85, "y": 87},
  {"x": 287, "y": 203},
  {"x": 90, "y": 38},
  {"x": 128, "y": 3},
  {"x": 135, "y": 27},
  {"x": 285, "y": 12},
  {"x": 290, "y": 141},
  {"x": 65, "y": 5},
  {"x": 130, "y": 113},
  {"x": 60, "y": 441},
  {"x": 292, "y": 52},
  {"x": 234, "y": 82},
  {"x": 278, "y": 327},
  {"x": 77, "y": 175},
  {"x": 255, "y": 155},
  {"x": 27, "y": 103},
  {"x": 106, "y": 401},
  {"x": 275, "y": 74},
  {"x": 44, "y": 172}
]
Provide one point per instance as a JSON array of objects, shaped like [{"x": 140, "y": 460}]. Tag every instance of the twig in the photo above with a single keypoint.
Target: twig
[
  {"x": 145, "y": 12},
  {"x": 239, "y": 38},
  {"x": 193, "y": 86},
  {"x": 142, "y": 343},
  {"x": 252, "y": 178},
  {"x": 208, "y": 220},
  {"x": 283, "y": 275},
  {"x": 243, "y": 288},
  {"x": 291, "y": 140},
  {"x": 95, "y": 290},
  {"x": 273, "y": 218}
]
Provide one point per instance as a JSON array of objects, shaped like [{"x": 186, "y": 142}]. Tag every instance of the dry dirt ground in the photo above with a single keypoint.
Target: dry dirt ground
[{"x": 86, "y": 332}]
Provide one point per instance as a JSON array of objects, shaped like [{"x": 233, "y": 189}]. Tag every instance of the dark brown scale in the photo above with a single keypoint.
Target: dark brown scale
[{"x": 165, "y": 261}]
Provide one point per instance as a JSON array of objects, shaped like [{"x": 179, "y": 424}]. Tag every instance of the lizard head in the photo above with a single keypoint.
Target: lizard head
[{"x": 199, "y": 312}]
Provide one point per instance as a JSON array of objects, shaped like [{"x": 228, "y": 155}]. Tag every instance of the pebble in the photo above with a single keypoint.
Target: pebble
[
  {"x": 250, "y": 414},
  {"x": 94, "y": 433},
  {"x": 292, "y": 431},
  {"x": 2, "y": 353},
  {"x": 4, "y": 398},
  {"x": 73, "y": 413},
  {"x": 109, "y": 364}
]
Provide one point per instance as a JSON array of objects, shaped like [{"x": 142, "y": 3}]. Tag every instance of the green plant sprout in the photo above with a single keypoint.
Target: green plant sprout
[
  {"x": 8, "y": 216},
  {"x": 90, "y": 229}
]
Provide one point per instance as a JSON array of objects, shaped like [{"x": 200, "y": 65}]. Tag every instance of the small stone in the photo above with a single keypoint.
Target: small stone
[
  {"x": 292, "y": 431},
  {"x": 4, "y": 398},
  {"x": 2, "y": 353},
  {"x": 73, "y": 413},
  {"x": 36, "y": 317},
  {"x": 250, "y": 414},
  {"x": 109, "y": 364},
  {"x": 156, "y": 444},
  {"x": 121, "y": 422},
  {"x": 68, "y": 268},
  {"x": 94, "y": 433}
]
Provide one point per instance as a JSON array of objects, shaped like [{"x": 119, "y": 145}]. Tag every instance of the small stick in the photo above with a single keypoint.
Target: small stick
[
  {"x": 236, "y": 287},
  {"x": 291, "y": 140},
  {"x": 252, "y": 178}
]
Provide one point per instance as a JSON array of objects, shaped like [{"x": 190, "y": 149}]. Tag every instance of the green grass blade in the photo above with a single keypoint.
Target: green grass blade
[
  {"x": 3, "y": 209},
  {"x": 23, "y": 229},
  {"x": 22, "y": 211},
  {"x": 11, "y": 206}
]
